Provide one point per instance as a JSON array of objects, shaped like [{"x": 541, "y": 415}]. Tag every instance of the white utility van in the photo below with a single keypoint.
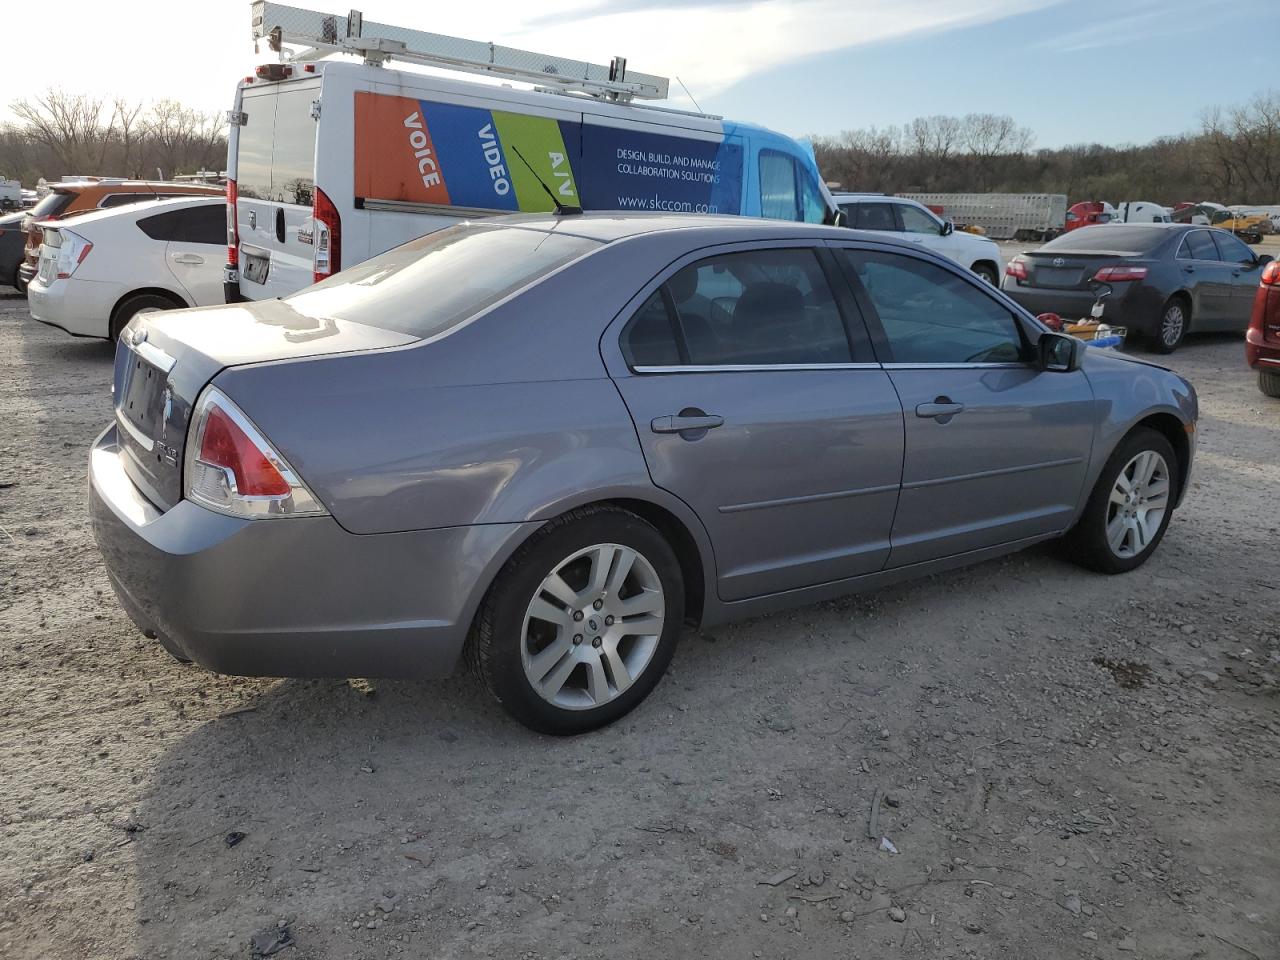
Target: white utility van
[
  {"x": 332, "y": 162},
  {"x": 1140, "y": 211}
]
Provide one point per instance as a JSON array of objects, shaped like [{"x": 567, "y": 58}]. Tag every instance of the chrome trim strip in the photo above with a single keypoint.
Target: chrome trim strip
[
  {"x": 810, "y": 498},
  {"x": 154, "y": 356},
  {"x": 750, "y": 367},
  {"x": 957, "y": 366},
  {"x": 143, "y": 440},
  {"x": 1268, "y": 360},
  {"x": 434, "y": 209},
  {"x": 983, "y": 474}
]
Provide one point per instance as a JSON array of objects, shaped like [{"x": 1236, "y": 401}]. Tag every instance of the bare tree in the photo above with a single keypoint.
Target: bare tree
[{"x": 69, "y": 126}]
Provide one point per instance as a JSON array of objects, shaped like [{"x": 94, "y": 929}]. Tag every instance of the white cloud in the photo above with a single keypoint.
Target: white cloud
[{"x": 196, "y": 57}]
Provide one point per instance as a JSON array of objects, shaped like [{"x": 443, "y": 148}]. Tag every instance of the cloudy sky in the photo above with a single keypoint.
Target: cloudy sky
[{"x": 1072, "y": 70}]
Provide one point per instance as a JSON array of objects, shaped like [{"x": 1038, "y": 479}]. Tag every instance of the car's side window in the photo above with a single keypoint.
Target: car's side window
[
  {"x": 124, "y": 199},
  {"x": 1232, "y": 249},
  {"x": 1197, "y": 245},
  {"x": 162, "y": 226},
  {"x": 778, "y": 200},
  {"x": 915, "y": 220},
  {"x": 204, "y": 224},
  {"x": 758, "y": 308},
  {"x": 874, "y": 216},
  {"x": 931, "y": 315}
]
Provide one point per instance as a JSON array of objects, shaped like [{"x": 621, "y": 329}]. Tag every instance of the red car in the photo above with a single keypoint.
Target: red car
[{"x": 1262, "y": 342}]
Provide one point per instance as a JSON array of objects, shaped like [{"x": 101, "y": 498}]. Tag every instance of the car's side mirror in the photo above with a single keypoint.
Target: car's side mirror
[
  {"x": 1060, "y": 353},
  {"x": 948, "y": 228},
  {"x": 1264, "y": 259}
]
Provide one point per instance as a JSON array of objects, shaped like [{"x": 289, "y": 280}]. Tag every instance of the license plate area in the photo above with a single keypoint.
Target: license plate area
[
  {"x": 1058, "y": 276},
  {"x": 141, "y": 400},
  {"x": 256, "y": 268}
]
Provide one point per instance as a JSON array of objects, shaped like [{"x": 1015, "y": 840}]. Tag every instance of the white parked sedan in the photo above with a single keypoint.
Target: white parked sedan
[
  {"x": 99, "y": 269},
  {"x": 913, "y": 221}
]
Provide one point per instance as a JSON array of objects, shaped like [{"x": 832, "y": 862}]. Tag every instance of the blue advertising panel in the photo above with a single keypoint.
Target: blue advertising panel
[{"x": 624, "y": 169}]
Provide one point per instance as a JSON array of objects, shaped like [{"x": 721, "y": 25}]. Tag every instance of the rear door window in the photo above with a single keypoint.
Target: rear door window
[
  {"x": 275, "y": 159},
  {"x": 761, "y": 308},
  {"x": 1197, "y": 245},
  {"x": 203, "y": 224},
  {"x": 874, "y": 216}
]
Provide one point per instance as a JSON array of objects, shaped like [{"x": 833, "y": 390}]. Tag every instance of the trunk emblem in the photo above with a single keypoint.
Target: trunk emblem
[
  {"x": 253, "y": 220},
  {"x": 1059, "y": 262}
]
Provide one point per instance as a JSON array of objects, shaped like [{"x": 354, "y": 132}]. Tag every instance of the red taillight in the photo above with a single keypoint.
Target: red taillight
[
  {"x": 1271, "y": 274},
  {"x": 223, "y": 444},
  {"x": 233, "y": 226},
  {"x": 1017, "y": 269},
  {"x": 328, "y": 236},
  {"x": 1120, "y": 274}
]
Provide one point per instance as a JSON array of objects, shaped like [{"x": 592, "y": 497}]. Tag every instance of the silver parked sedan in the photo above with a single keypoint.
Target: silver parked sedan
[{"x": 552, "y": 441}]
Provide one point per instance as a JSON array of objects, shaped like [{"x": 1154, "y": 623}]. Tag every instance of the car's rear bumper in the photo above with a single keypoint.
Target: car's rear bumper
[
  {"x": 80, "y": 307},
  {"x": 1259, "y": 353},
  {"x": 290, "y": 597},
  {"x": 1126, "y": 307}
]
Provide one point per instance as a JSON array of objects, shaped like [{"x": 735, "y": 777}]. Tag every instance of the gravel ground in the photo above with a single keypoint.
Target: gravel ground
[{"x": 1069, "y": 765}]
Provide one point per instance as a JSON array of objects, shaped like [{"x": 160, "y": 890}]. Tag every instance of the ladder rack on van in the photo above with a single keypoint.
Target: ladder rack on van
[{"x": 323, "y": 33}]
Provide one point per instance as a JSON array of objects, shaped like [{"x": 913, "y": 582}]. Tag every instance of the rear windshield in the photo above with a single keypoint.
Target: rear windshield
[
  {"x": 277, "y": 145},
  {"x": 428, "y": 285},
  {"x": 1128, "y": 240},
  {"x": 53, "y": 203}
]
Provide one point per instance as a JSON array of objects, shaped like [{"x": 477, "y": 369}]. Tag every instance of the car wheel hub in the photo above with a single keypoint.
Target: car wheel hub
[
  {"x": 1171, "y": 328},
  {"x": 592, "y": 626},
  {"x": 1137, "y": 504}
]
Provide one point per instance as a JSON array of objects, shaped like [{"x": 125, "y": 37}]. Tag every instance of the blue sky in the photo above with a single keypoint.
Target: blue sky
[
  {"x": 1071, "y": 70},
  {"x": 1082, "y": 70}
]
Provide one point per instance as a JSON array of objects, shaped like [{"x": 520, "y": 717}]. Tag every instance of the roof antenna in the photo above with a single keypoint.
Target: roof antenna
[
  {"x": 688, "y": 94},
  {"x": 561, "y": 208}
]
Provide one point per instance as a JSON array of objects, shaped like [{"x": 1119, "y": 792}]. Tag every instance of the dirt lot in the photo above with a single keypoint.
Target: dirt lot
[{"x": 1073, "y": 766}]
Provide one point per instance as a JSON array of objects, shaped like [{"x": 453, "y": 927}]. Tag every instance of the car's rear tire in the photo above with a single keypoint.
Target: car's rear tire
[
  {"x": 1130, "y": 507},
  {"x": 987, "y": 272},
  {"x": 18, "y": 282},
  {"x": 1269, "y": 382},
  {"x": 551, "y": 640},
  {"x": 1171, "y": 328},
  {"x": 130, "y": 307}
]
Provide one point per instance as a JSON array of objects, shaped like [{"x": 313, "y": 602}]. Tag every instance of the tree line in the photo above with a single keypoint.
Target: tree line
[
  {"x": 59, "y": 134},
  {"x": 1234, "y": 157}
]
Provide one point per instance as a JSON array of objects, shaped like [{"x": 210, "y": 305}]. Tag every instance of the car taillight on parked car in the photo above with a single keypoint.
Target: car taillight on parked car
[
  {"x": 71, "y": 250},
  {"x": 1271, "y": 274},
  {"x": 233, "y": 226},
  {"x": 1120, "y": 274},
  {"x": 231, "y": 468},
  {"x": 328, "y": 236},
  {"x": 1017, "y": 269}
]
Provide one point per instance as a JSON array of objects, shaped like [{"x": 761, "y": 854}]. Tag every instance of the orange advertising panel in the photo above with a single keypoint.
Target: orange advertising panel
[{"x": 395, "y": 158}]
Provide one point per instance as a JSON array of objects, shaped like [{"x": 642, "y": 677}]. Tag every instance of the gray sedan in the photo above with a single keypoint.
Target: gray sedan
[{"x": 550, "y": 442}]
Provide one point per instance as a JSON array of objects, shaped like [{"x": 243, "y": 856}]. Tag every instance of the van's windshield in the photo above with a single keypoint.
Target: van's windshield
[
  {"x": 277, "y": 144},
  {"x": 428, "y": 285}
]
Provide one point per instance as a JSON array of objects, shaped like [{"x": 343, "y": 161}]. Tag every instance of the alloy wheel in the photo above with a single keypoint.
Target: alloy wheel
[
  {"x": 1171, "y": 324},
  {"x": 1137, "y": 504},
  {"x": 592, "y": 626}
]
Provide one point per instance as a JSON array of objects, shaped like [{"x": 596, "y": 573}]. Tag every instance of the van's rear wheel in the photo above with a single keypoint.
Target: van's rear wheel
[
  {"x": 581, "y": 623},
  {"x": 140, "y": 303}
]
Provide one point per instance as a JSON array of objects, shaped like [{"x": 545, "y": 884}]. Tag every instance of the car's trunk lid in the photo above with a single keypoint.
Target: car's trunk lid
[
  {"x": 1069, "y": 271},
  {"x": 164, "y": 360}
]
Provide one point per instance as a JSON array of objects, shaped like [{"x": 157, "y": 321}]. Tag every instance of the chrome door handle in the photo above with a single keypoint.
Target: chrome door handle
[
  {"x": 942, "y": 409},
  {"x": 187, "y": 258},
  {"x": 686, "y": 423}
]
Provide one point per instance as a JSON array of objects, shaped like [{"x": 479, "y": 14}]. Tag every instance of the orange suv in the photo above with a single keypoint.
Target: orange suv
[{"x": 94, "y": 193}]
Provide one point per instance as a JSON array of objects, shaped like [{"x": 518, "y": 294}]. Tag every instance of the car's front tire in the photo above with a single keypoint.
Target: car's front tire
[
  {"x": 1130, "y": 507},
  {"x": 987, "y": 272},
  {"x": 1171, "y": 327},
  {"x": 581, "y": 622}
]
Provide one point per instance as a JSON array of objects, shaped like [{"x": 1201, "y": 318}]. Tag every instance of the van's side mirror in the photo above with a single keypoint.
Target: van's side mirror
[
  {"x": 1060, "y": 353},
  {"x": 948, "y": 228}
]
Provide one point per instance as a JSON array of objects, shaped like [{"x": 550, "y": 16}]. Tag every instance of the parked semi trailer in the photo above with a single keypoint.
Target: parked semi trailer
[{"x": 1003, "y": 216}]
